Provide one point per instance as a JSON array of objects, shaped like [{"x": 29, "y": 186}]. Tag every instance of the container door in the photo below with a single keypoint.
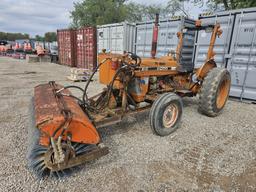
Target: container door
[
  {"x": 167, "y": 37},
  {"x": 66, "y": 47},
  {"x": 117, "y": 39},
  {"x": 103, "y": 38},
  {"x": 144, "y": 39},
  {"x": 242, "y": 64},
  {"x": 129, "y": 34},
  {"x": 222, "y": 44}
]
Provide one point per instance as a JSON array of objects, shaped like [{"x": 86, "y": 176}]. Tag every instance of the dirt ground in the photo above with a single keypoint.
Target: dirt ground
[{"x": 204, "y": 154}]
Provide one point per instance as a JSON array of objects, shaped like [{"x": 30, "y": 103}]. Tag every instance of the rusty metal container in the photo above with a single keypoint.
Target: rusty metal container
[
  {"x": 66, "y": 42},
  {"x": 86, "y": 48}
]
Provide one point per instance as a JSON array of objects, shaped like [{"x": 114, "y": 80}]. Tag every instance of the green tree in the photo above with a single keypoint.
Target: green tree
[
  {"x": 39, "y": 38},
  {"x": 176, "y": 6},
  {"x": 97, "y": 12},
  {"x": 134, "y": 12},
  {"x": 138, "y": 12},
  {"x": 151, "y": 10},
  {"x": 234, "y": 4},
  {"x": 50, "y": 36},
  {"x": 13, "y": 36},
  {"x": 148, "y": 12},
  {"x": 226, "y": 4}
]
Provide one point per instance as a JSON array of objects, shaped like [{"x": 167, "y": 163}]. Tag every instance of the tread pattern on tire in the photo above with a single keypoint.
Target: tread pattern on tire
[
  {"x": 166, "y": 97},
  {"x": 208, "y": 93},
  {"x": 152, "y": 110}
]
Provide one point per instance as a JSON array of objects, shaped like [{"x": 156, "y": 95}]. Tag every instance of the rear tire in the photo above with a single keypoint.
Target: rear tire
[
  {"x": 165, "y": 114},
  {"x": 214, "y": 92}
]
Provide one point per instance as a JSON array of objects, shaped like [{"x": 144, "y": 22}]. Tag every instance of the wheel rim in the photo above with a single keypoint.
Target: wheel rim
[
  {"x": 223, "y": 93},
  {"x": 170, "y": 115}
]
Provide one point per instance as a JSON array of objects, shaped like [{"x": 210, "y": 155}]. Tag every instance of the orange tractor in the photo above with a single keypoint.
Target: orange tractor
[{"x": 65, "y": 126}]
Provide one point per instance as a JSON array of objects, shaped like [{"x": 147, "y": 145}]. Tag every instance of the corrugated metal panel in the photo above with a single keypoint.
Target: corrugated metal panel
[
  {"x": 167, "y": 36},
  {"x": 242, "y": 64},
  {"x": 48, "y": 45},
  {"x": 236, "y": 49},
  {"x": 86, "y": 46},
  {"x": 66, "y": 43},
  {"x": 117, "y": 38},
  {"x": 221, "y": 47}
]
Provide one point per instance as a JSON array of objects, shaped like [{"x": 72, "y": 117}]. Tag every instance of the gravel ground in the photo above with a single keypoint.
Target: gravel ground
[{"x": 204, "y": 154}]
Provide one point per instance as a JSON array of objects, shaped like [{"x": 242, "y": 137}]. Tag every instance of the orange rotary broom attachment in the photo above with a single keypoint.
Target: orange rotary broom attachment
[{"x": 62, "y": 136}]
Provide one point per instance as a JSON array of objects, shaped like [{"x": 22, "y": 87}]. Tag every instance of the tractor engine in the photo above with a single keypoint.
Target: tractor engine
[{"x": 138, "y": 87}]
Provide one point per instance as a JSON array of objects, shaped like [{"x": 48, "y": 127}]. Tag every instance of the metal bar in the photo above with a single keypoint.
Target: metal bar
[
  {"x": 95, "y": 154},
  {"x": 144, "y": 46},
  {"x": 248, "y": 63},
  {"x": 154, "y": 73},
  {"x": 226, "y": 41},
  {"x": 166, "y": 41},
  {"x": 108, "y": 121},
  {"x": 235, "y": 44}
]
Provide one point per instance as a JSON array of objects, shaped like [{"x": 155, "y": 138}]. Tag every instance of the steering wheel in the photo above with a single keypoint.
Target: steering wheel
[{"x": 135, "y": 58}]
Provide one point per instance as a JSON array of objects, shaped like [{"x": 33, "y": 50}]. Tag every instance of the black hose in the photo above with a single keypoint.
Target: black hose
[
  {"x": 110, "y": 88},
  {"x": 135, "y": 58},
  {"x": 90, "y": 78},
  {"x": 133, "y": 102},
  {"x": 68, "y": 95},
  {"x": 72, "y": 86}
]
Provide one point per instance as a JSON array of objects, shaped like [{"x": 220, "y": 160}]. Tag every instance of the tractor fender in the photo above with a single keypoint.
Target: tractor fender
[{"x": 204, "y": 69}]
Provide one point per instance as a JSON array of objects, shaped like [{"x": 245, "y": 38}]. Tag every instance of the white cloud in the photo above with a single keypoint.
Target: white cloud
[{"x": 34, "y": 17}]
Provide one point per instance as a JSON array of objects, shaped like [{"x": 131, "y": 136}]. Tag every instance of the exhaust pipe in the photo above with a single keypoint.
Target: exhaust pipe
[{"x": 155, "y": 37}]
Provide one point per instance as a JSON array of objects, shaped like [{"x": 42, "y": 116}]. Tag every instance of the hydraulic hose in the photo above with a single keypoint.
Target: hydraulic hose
[{"x": 85, "y": 97}]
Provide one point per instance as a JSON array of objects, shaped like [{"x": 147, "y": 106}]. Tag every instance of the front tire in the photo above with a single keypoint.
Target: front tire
[
  {"x": 214, "y": 92},
  {"x": 165, "y": 114}
]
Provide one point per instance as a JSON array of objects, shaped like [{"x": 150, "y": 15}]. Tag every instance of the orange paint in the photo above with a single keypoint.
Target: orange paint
[{"x": 49, "y": 116}]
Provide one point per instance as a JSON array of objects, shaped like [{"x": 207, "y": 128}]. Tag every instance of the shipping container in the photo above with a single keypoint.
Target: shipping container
[
  {"x": 242, "y": 63},
  {"x": 66, "y": 43},
  {"x": 49, "y": 45},
  {"x": 222, "y": 44},
  {"x": 235, "y": 49},
  {"x": 167, "y": 36},
  {"x": 86, "y": 48},
  {"x": 117, "y": 37}
]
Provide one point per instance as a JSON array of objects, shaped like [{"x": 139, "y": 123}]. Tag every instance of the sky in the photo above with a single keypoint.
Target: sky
[{"x": 40, "y": 16}]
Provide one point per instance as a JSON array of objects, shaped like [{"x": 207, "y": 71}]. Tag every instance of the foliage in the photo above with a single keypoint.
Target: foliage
[
  {"x": 233, "y": 4},
  {"x": 39, "y": 38},
  {"x": 226, "y": 4},
  {"x": 50, "y": 36},
  {"x": 134, "y": 12},
  {"x": 13, "y": 36},
  {"x": 98, "y": 12},
  {"x": 175, "y": 6}
]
